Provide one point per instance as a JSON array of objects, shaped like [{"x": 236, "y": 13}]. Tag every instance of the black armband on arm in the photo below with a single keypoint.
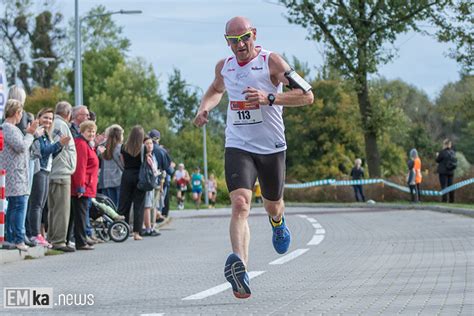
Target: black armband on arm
[{"x": 296, "y": 81}]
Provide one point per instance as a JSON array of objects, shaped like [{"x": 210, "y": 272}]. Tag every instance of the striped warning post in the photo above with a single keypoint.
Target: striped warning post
[{"x": 2, "y": 205}]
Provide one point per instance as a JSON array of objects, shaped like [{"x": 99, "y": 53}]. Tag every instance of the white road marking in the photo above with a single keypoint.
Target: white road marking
[
  {"x": 321, "y": 231},
  {"x": 317, "y": 225},
  {"x": 302, "y": 216},
  {"x": 312, "y": 220},
  {"x": 317, "y": 239},
  {"x": 292, "y": 255},
  {"x": 217, "y": 289},
  {"x": 153, "y": 314}
]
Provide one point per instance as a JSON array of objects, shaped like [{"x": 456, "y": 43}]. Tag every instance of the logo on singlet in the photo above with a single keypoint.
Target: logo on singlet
[
  {"x": 257, "y": 68},
  {"x": 242, "y": 76}
]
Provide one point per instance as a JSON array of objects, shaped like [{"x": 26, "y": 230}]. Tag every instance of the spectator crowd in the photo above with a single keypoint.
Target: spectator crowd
[{"x": 58, "y": 166}]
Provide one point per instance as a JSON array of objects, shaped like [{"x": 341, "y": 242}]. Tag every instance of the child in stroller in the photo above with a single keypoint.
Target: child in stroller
[{"x": 107, "y": 223}]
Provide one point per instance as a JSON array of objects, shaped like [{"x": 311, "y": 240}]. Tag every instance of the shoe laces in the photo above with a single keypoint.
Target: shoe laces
[{"x": 280, "y": 233}]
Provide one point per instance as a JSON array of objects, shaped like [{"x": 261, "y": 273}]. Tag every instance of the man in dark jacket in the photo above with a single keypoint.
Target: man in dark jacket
[
  {"x": 357, "y": 173},
  {"x": 164, "y": 164},
  {"x": 447, "y": 163}
]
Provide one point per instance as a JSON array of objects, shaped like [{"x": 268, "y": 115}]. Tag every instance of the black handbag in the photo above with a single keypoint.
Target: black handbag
[{"x": 147, "y": 180}]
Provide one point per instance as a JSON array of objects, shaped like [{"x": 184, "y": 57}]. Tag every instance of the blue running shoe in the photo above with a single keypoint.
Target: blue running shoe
[
  {"x": 237, "y": 275},
  {"x": 281, "y": 236}
]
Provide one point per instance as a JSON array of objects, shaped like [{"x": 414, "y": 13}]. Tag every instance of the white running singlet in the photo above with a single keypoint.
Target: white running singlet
[{"x": 252, "y": 127}]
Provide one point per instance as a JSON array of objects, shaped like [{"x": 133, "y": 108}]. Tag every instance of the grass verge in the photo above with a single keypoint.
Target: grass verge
[{"x": 52, "y": 252}]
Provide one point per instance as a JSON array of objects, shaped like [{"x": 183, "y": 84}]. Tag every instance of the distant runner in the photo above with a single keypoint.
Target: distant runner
[
  {"x": 181, "y": 178},
  {"x": 197, "y": 181}
]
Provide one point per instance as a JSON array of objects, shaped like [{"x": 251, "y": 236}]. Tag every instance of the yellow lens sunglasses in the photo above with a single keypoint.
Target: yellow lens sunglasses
[{"x": 234, "y": 39}]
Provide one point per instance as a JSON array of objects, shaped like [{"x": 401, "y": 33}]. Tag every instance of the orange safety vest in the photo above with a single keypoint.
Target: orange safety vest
[{"x": 417, "y": 168}]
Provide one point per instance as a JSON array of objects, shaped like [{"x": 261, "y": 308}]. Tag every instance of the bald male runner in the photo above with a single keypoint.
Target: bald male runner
[{"x": 255, "y": 143}]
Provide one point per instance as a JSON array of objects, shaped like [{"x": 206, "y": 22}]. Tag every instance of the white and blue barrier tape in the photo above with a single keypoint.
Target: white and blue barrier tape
[
  {"x": 372, "y": 181},
  {"x": 310, "y": 184}
]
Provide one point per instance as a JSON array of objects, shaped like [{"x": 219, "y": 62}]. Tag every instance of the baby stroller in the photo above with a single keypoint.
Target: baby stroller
[{"x": 106, "y": 223}]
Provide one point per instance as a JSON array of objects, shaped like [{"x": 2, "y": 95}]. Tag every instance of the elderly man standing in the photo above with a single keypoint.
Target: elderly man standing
[
  {"x": 59, "y": 196},
  {"x": 80, "y": 113}
]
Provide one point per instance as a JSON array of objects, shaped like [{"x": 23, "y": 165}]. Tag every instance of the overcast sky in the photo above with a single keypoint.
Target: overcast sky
[{"x": 188, "y": 35}]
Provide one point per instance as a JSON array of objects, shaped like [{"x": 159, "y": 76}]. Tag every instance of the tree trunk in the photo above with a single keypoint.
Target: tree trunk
[
  {"x": 372, "y": 153},
  {"x": 23, "y": 76},
  {"x": 370, "y": 134}
]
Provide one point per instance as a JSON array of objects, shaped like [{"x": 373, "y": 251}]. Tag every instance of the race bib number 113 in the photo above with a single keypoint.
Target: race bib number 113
[{"x": 243, "y": 113}]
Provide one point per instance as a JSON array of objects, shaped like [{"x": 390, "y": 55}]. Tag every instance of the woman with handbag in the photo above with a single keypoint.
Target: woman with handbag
[{"x": 129, "y": 192}]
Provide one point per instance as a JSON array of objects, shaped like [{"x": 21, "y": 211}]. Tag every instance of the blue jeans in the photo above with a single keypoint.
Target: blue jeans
[
  {"x": 15, "y": 219},
  {"x": 113, "y": 194},
  {"x": 359, "y": 194}
]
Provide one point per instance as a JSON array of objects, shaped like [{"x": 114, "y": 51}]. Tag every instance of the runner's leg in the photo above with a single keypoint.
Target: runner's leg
[{"x": 239, "y": 228}]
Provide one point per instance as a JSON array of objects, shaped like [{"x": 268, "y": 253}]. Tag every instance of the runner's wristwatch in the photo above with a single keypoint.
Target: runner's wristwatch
[{"x": 271, "y": 99}]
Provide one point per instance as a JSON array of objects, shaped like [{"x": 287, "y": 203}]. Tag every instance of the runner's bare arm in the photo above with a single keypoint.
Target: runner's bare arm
[
  {"x": 293, "y": 98},
  {"x": 212, "y": 96}
]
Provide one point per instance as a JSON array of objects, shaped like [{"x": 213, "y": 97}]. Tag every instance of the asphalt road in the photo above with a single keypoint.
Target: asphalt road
[{"x": 341, "y": 261}]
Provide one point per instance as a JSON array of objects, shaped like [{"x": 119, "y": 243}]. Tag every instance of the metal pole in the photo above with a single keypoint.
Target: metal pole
[
  {"x": 78, "y": 86},
  {"x": 204, "y": 149},
  {"x": 77, "y": 64}
]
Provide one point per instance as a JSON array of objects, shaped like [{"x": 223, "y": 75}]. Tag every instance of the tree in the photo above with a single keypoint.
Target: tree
[
  {"x": 181, "y": 103},
  {"x": 325, "y": 138},
  {"x": 24, "y": 36},
  {"x": 43, "y": 39},
  {"x": 186, "y": 147},
  {"x": 130, "y": 97},
  {"x": 456, "y": 117},
  {"x": 98, "y": 32},
  {"x": 408, "y": 116},
  {"x": 457, "y": 26},
  {"x": 357, "y": 34},
  {"x": 98, "y": 65},
  {"x": 44, "y": 98},
  {"x": 15, "y": 46}
]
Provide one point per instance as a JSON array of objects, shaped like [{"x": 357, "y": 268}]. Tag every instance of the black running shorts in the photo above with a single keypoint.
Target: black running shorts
[{"x": 242, "y": 169}]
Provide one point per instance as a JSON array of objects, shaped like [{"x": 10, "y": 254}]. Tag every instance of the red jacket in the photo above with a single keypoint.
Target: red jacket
[
  {"x": 1, "y": 139},
  {"x": 84, "y": 179}
]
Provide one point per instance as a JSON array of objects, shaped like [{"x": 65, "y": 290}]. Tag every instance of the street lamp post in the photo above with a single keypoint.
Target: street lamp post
[
  {"x": 204, "y": 150},
  {"x": 204, "y": 154},
  {"x": 78, "y": 62},
  {"x": 40, "y": 59}
]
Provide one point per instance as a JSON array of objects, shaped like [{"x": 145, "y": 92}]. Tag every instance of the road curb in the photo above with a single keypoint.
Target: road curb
[
  {"x": 9, "y": 256},
  {"x": 434, "y": 208}
]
